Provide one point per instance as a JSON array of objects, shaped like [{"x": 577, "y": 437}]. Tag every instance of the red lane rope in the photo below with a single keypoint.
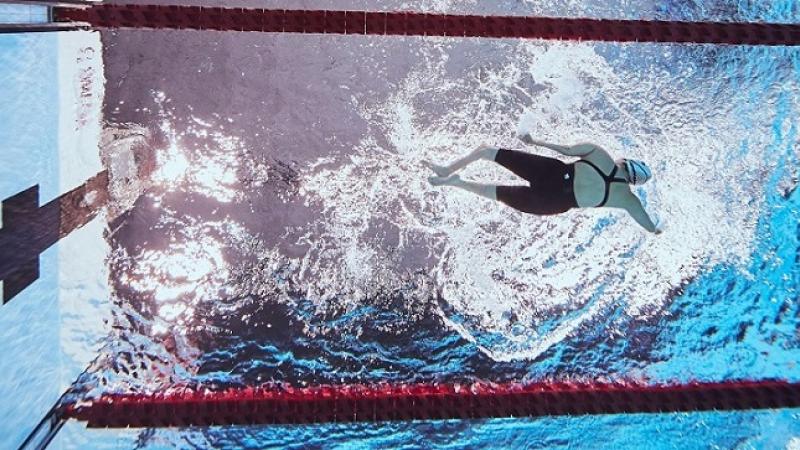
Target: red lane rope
[
  {"x": 358, "y": 403},
  {"x": 421, "y": 24}
]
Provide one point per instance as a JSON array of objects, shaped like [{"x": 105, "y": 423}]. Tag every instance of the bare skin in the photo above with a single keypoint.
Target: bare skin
[{"x": 589, "y": 186}]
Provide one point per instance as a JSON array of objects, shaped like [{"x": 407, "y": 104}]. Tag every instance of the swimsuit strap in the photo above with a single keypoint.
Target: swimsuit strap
[{"x": 607, "y": 178}]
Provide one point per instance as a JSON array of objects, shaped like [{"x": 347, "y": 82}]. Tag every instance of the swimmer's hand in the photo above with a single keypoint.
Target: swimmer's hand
[{"x": 659, "y": 227}]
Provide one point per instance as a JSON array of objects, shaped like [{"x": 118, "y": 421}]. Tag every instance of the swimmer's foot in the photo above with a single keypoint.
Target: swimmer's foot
[
  {"x": 444, "y": 181},
  {"x": 440, "y": 171}
]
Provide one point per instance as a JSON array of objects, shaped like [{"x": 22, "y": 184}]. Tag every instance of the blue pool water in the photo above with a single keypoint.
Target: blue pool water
[
  {"x": 30, "y": 366},
  {"x": 288, "y": 235}
]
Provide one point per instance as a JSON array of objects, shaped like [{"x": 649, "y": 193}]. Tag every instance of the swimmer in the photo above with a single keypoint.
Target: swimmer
[{"x": 595, "y": 180}]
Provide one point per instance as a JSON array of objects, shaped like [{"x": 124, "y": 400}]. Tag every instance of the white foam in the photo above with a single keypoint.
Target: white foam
[{"x": 497, "y": 261}]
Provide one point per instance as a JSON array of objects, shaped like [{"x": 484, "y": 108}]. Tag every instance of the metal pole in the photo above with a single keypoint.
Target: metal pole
[
  {"x": 57, "y": 3},
  {"x": 49, "y": 25},
  {"x": 47, "y": 429},
  {"x": 40, "y": 27}
]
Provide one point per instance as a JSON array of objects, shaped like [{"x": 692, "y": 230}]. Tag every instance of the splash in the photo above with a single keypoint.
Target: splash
[{"x": 527, "y": 281}]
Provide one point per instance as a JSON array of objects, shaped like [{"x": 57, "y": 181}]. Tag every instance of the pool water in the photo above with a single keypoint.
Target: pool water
[{"x": 270, "y": 221}]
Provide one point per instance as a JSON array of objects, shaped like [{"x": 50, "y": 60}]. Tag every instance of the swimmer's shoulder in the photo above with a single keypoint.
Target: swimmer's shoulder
[{"x": 596, "y": 155}]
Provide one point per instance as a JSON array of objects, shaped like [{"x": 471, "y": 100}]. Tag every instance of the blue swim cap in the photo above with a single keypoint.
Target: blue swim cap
[{"x": 638, "y": 172}]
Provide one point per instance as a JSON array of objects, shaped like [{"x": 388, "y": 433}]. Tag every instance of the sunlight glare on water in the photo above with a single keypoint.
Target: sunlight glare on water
[{"x": 210, "y": 170}]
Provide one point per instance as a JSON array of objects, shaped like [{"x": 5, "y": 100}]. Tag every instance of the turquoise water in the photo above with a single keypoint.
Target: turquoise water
[{"x": 30, "y": 367}]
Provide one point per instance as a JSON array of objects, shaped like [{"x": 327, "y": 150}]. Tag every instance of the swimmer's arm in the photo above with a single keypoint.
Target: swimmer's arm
[
  {"x": 579, "y": 150},
  {"x": 631, "y": 203}
]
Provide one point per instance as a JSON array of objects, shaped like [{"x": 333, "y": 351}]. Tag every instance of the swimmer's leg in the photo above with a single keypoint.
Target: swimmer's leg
[
  {"x": 482, "y": 152},
  {"x": 484, "y": 190}
]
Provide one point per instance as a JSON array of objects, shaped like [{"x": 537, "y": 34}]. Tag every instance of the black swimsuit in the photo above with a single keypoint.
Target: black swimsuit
[{"x": 551, "y": 189}]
